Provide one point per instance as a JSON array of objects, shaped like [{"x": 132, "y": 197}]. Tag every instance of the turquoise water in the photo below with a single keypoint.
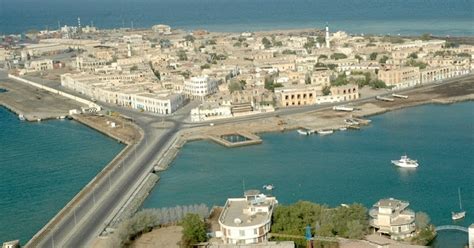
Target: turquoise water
[
  {"x": 346, "y": 167},
  {"x": 43, "y": 165},
  {"x": 453, "y": 17}
]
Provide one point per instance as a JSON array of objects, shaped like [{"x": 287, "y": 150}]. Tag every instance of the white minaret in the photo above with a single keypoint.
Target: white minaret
[
  {"x": 79, "y": 22},
  {"x": 471, "y": 236},
  {"x": 327, "y": 36},
  {"x": 129, "y": 53}
]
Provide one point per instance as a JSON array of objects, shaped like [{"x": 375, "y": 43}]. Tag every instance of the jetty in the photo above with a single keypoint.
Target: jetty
[
  {"x": 385, "y": 99},
  {"x": 236, "y": 139}
]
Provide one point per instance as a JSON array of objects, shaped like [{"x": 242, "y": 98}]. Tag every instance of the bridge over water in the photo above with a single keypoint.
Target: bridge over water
[{"x": 452, "y": 227}]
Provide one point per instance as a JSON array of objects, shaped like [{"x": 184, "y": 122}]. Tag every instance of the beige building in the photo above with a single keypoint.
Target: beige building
[
  {"x": 297, "y": 95},
  {"x": 393, "y": 218},
  {"x": 346, "y": 92},
  {"x": 39, "y": 65},
  {"x": 439, "y": 73},
  {"x": 400, "y": 77}
]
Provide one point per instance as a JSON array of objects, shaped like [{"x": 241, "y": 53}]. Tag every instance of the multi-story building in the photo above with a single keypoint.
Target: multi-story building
[
  {"x": 400, "y": 77},
  {"x": 247, "y": 220},
  {"x": 200, "y": 87},
  {"x": 297, "y": 95},
  {"x": 393, "y": 218}
]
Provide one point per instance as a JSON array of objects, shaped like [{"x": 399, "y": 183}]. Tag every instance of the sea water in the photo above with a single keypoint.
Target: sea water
[
  {"x": 345, "y": 167},
  {"x": 43, "y": 166}
]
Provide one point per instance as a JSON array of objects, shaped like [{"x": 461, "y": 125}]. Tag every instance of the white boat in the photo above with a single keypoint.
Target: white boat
[
  {"x": 461, "y": 214},
  {"x": 342, "y": 128},
  {"x": 305, "y": 131},
  {"x": 325, "y": 131},
  {"x": 21, "y": 117},
  {"x": 405, "y": 162},
  {"x": 268, "y": 187}
]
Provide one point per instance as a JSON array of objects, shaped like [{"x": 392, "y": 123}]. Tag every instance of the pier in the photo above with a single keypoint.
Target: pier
[{"x": 236, "y": 139}]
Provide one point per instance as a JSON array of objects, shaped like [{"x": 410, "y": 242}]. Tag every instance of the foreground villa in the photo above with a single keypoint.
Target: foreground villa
[
  {"x": 392, "y": 217},
  {"x": 247, "y": 220}
]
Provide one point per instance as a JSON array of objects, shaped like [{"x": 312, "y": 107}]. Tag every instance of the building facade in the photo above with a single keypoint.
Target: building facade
[{"x": 399, "y": 78}]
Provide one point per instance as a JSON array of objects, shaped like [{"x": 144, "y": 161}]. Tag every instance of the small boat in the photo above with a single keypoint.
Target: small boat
[
  {"x": 405, "y": 162},
  {"x": 325, "y": 131},
  {"x": 351, "y": 122},
  {"x": 268, "y": 187},
  {"x": 21, "y": 117},
  {"x": 305, "y": 131},
  {"x": 342, "y": 128},
  {"x": 461, "y": 214}
]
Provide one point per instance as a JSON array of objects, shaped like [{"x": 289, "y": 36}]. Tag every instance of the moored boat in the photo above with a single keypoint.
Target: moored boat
[
  {"x": 461, "y": 214},
  {"x": 325, "y": 131},
  {"x": 405, "y": 162},
  {"x": 268, "y": 187},
  {"x": 305, "y": 131}
]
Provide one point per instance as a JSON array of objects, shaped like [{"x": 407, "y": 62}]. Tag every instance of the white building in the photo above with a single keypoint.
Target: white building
[
  {"x": 162, "y": 29},
  {"x": 247, "y": 220},
  {"x": 161, "y": 104},
  {"x": 39, "y": 65},
  {"x": 392, "y": 217},
  {"x": 200, "y": 87},
  {"x": 209, "y": 111}
]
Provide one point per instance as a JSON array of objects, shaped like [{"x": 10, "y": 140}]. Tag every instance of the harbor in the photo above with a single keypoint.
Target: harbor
[{"x": 330, "y": 170}]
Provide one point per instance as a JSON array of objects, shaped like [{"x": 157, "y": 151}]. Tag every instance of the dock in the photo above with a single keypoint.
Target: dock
[
  {"x": 236, "y": 139},
  {"x": 386, "y": 99}
]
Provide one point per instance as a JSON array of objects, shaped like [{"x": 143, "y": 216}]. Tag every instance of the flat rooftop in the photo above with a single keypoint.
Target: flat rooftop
[{"x": 234, "y": 210}]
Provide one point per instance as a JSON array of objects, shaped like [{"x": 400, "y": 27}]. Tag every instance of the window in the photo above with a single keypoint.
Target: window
[
  {"x": 242, "y": 233},
  {"x": 255, "y": 231}
]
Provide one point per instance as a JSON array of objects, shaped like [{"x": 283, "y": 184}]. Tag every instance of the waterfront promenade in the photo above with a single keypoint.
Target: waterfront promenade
[{"x": 86, "y": 218}]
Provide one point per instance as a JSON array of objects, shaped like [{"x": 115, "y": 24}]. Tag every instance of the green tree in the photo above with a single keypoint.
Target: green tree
[
  {"x": 194, "y": 230},
  {"x": 205, "y": 66},
  {"x": 355, "y": 230},
  {"x": 377, "y": 84},
  {"x": 189, "y": 38},
  {"x": 266, "y": 42},
  {"x": 413, "y": 56},
  {"x": 383, "y": 60},
  {"x": 358, "y": 57},
  {"x": 337, "y": 56},
  {"x": 464, "y": 55},
  {"x": 321, "y": 39},
  {"x": 373, "y": 56},
  {"x": 235, "y": 86},
  {"x": 157, "y": 74},
  {"x": 310, "y": 43},
  {"x": 322, "y": 56},
  {"x": 142, "y": 222},
  {"x": 341, "y": 79},
  {"x": 422, "y": 220},
  {"x": 326, "y": 90},
  {"x": 182, "y": 56},
  {"x": 425, "y": 36}
]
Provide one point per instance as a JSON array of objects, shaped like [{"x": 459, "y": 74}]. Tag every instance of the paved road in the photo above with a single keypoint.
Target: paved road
[{"x": 87, "y": 220}]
